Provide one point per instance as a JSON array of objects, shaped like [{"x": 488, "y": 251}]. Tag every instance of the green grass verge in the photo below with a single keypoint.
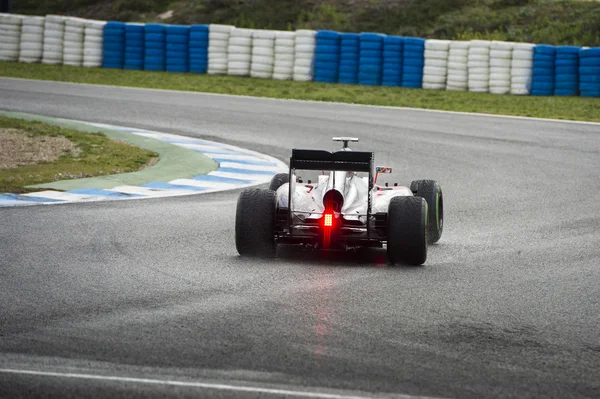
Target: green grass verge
[
  {"x": 570, "y": 108},
  {"x": 97, "y": 155}
]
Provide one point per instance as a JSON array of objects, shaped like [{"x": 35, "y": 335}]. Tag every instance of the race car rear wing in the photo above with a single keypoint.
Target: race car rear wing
[{"x": 347, "y": 161}]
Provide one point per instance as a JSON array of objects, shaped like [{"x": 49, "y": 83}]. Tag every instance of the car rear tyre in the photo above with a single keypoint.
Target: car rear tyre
[
  {"x": 255, "y": 223},
  {"x": 432, "y": 192},
  {"x": 407, "y": 230},
  {"x": 279, "y": 180}
]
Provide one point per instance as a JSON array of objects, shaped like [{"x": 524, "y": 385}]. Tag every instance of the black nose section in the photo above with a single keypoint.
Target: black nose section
[{"x": 333, "y": 200}]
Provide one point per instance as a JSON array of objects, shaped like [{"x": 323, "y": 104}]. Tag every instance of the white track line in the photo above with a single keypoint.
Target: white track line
[{"x": 195, "y": 384}]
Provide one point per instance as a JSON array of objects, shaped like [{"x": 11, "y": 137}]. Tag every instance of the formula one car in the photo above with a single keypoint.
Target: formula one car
[{"x": 331, "y": 201}]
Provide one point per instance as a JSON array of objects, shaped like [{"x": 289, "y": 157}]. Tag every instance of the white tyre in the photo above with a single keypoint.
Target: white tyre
[
  {"x": 10, "y": 47},
  {"x": 478, "y": 64},
  {"x": 240, "y": 41},
  {"x": 238, "y": 72},
  {"x": 435, "y": 62},
  {"x": 261, "y": 34},
  {"x": 303, "y": 62},
  {"x": 462, "y": 45},
  {"x": 520, "y": 80},
  {"x": 305, "y": 41},
  {"x": 216, "y": 44},
  {"x": 239, "y": 49},
  {"x": 523, "y": 46},
  {"x": 435, "y": 54},
  {"x": 284, "y": 57},
  {"x": 521, "y": 64},
  {"x": 479, "y": 51},
  {"x": 263, "y": 51},
  {"x": 32, "y": 29},
  {"x": 431, "y": 70},
  {"x": 238, "y": 65},
  {"x": 434, "y": 86},
  {"x": 522, "y": 55},
  {"x": 258, "y": 42},
  {"x": 220, "y": 36},
  {"x": 284, "y": 64},
  {"x": 484, "y": 77},
  {"x": 434, "y": 44},
  {"x": 220, "y": 28},
  {"x": 478, "y": 58},
  {"x": 434, "y": 79},
  {"x": 283, "y": 69},
  {"x": 500, "y": 62},
  {"x": 456, "y": 88},
  {"x": 503, "y": 46},
  {"x": 303, "y": 70},
  {"x": 285, "y": 43},
  {"x": 239, "y": 58},
  {"x": 302, "y": 77},
  {"x": 240, "y": 32},
  {"x": 499, "y": 90},
  {"x": 282, "y": 76},
  {"x": 501, "y": 54},
  {"x": 305, "y": 49},
  {"x": 457, "y": 78},
  {"x": 261, "y": 74},
  {"x": 285, "y": 50},
  {"x": 460, "y": 59}
]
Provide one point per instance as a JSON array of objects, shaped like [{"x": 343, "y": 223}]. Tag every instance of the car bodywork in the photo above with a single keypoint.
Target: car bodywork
[{"x": 343, "y": 207}]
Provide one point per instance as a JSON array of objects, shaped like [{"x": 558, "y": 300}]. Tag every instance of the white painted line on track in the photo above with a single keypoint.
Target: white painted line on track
[
  {"x": 204, "y": 385},
  {"x": 525, "y": 118}
]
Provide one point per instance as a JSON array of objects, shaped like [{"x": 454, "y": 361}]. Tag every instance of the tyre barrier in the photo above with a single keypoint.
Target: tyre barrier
[
  {"x": 435, "y": 69},
  {"x": 370, "y": 61},
  {"x": 218, "y": 43},
  {"x": 367, "y": 58},
  {"x": 521, "y": 68},
  {"x": 283, "y": 67},
  {"x": 413, "y": 62},
  {"x": 304, "y": 52},
  {"x": 589, "y": 72},
  {"x": 391, "y": 74},
  {"x": 73, "y": 42},
  {"x": 327, "y": 56},
  {"x": 500, "y": 65},
  {"x": 31, "y": 41},
  {"x": 544, "y": 59},
  {"x": 178, "y": 46},
  {"x": 114, "y": 45},
  {"x": 198, "y": 56},
  {"x": 93, "y": 43},
  {"x": 458, "y": 73},
  {"x": 349, "y": 56},
  {"x": 155, "y": 47},
  {"x": 566, "y": 72},
  {"x": 10, "y": 36},
  {"x": 239, "y": 52},
  {"x": 478, "y": 66},
  {"x": 263, "y": 54},
  {"x": 54, "y": 34},
  {"x": 134, "y": 46}
]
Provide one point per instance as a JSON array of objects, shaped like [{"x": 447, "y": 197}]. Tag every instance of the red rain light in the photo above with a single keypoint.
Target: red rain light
[{"x": 328, "y": 220}]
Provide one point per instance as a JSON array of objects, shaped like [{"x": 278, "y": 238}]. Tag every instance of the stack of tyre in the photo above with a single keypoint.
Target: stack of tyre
[
  {"x": 479, "y": 66},
  {"x": 198, "y": 48},
  {"x": 218, "y": 43},
  {"x": 32, "y": 39},
  {"x": 10, "y": 39},
  {"x": 114, "y": 45},
  {"x": 458, "y": 73},
  {"x": 414, "y": 61},
  {"x": 349, "y": 55},
  {"x": 285, "y": 43},
  {"x": 54, "y": 33},
  {"x": 93, "y": 43},
  {"x": 435, "y": 69},
  {"x": 239, "y": 56},
  {"x": 263, "y": 54},
  {"x": 521, "y": 68},
  {"x": 544, "y": 59},
  {"x": 304, "y": 51},
  {"x": 134, "y": 46},
  {"x": 589, "y": 72},
  {"x": 178, "y": 42},
  {"x": 393, "y": 46},
  {"x": 566, "y": 72},
  {"x": 500, "y": 63},
  {"x": 370, "y": 62},
  {"x": 327, "y": 56},
  {"x": 73, "y": 42},
  {"x": 155, "y": 47}
]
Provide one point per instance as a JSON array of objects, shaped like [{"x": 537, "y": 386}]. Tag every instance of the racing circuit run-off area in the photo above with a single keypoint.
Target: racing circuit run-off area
[{"x": 419, "y": 254}]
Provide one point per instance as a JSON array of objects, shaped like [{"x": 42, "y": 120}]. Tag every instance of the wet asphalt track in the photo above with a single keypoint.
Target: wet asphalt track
[{"x": 507, "y": 305}]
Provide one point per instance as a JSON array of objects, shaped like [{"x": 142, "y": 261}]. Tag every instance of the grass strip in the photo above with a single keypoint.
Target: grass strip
[
  {"x": 568, "y": 108},
  {"x": 174, "y": 162}
]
